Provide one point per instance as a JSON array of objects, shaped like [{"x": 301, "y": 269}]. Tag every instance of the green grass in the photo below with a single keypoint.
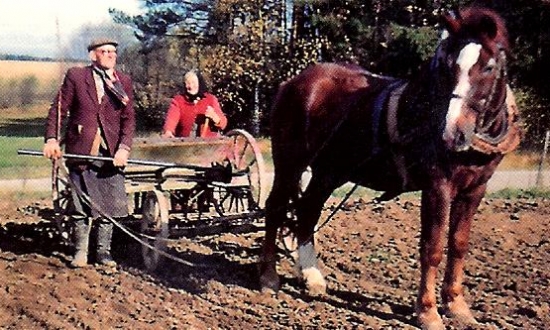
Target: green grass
[
  {"x": 530, "y": 193},
  {"x": 14, "y": 166},
  {"x": 22, "y": 197},
  {"x": 366, "y": 193},
  {"x": 360, "y": 191},
  {"x": 23, "y": 128},
  {"x": 507, "y": 193}
]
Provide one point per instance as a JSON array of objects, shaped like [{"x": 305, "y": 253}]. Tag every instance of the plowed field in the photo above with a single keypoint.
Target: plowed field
[{"x": 369, "y": 255}]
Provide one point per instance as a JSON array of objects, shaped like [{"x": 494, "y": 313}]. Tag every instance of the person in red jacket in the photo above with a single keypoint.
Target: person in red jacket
[
  {"x": 95, "y": 106},
  {"x": 194, "y": 113}
]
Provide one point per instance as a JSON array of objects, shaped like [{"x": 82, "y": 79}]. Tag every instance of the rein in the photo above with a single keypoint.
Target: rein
[
  {"x": 509, "y": 133},
  {"x": 289, "y": 222},
  {"x": 505, "y": 141},
  {"x": 137, "y": 237}
]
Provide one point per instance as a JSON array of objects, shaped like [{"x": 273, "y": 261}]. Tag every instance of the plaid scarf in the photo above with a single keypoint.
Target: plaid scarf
[{"x": 113, "y": 85}]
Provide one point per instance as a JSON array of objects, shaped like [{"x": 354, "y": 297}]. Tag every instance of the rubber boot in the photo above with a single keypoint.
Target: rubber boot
[
  {"x": 104, "y": 236},
  {"x": 81, "y": 240}
]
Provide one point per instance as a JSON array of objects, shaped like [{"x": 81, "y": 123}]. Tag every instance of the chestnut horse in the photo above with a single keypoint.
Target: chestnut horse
[{"x": 443, "y": 133}]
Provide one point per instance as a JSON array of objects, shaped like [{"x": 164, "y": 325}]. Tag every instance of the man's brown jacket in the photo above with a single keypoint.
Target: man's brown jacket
[{"x": 80, "y": 107}]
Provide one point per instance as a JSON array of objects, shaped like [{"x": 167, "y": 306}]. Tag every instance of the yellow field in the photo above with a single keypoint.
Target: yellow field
[
  {"x": 38, "y": 110},
  {"x": 45, "y": 72}
]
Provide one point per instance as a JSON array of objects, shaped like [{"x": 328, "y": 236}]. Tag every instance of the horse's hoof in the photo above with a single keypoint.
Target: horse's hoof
[
  {"x": 268, "y": 292},
  {"x": 435, "y": 325},
  {"x": 270, "y": 285},
  {"x": 315, "y": 282},
  {"x": 459, "y": 310},
  {"x": 430, "y": 320},
  {"x": 269, "y": 282}
]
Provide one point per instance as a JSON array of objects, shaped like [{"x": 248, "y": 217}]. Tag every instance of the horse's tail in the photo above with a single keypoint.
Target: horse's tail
[
  {"x": 289, "y": 123},
  {"x": 308, "y": 106},
  {"x": 286, "y": 125}
]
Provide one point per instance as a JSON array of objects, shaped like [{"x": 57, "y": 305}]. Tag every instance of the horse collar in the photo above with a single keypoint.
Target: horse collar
[{"x": 509, "y": 137}]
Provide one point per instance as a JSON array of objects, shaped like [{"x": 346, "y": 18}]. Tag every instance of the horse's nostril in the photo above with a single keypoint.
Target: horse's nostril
[
  {"x": 460, "y": 138},
  {"x": 462, "y": 141},
  {"x": 457, "y": 141}
]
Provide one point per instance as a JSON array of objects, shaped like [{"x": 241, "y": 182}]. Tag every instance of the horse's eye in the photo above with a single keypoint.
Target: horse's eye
[{"x": 490, "y": 67}]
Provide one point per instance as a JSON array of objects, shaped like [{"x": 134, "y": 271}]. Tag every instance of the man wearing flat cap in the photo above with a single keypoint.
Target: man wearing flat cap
[{"x": 94, "y": 108}]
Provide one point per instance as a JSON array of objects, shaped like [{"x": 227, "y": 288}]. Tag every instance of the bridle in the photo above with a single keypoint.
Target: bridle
[{"x": 481, "y": 131}]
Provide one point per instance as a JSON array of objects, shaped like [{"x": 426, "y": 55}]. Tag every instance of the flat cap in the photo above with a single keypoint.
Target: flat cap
[{"x": 100, "y": 42}]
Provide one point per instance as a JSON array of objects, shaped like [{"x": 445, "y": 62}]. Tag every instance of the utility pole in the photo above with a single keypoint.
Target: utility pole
[{"x": 60, "y": 57}]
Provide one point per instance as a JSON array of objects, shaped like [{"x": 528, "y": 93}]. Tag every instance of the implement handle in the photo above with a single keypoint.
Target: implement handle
[{"x": 29, "y": 152}]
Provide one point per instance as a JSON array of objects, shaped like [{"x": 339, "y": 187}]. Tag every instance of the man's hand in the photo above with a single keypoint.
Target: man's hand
[
  {"x": 52, "y": 149},
  {"x": 211, "y": 113},
  {"x": 167, "y": 135},
  {"x": 121, "y": 158}
]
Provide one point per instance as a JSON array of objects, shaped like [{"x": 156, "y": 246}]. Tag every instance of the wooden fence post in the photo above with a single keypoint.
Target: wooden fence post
[{"x": 540, "y": 174}]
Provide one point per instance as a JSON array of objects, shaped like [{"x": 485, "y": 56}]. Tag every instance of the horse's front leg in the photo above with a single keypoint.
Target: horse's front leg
[
  {"x": 308, "y": 211},
  {"x": 434, "y": 216},
  {"x": 463, "y": 209}
]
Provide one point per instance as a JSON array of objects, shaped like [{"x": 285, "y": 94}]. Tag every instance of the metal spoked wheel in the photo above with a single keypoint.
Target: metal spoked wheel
[
  {"x": 247, "y": 190},
  {"x": 62, "y": 198},
  {"x": 232, "y": 200},
  {"x": 154, "y": 227}
]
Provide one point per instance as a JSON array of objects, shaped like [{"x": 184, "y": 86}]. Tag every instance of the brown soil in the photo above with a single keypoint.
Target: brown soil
[{"x": 369, "y": 255}]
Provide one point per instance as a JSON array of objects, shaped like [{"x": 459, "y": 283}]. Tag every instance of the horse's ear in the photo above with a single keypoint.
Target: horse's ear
[
  {"x": 488, "y": 26},
  {"x": 451, "y": 20}
]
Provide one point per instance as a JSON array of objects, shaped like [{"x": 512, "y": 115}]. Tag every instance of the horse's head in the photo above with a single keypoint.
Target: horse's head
[{"x": 472, "y": 57}]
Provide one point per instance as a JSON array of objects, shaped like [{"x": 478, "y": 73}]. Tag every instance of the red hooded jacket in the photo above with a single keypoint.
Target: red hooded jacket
[{"x": 186, "y": 118}]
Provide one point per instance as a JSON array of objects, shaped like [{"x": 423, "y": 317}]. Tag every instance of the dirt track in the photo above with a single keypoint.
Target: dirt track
[{"x": 369, "y": 254}]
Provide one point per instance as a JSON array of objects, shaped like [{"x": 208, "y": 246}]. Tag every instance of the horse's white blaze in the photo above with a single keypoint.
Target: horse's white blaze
[{"x": 467, "y": 57}]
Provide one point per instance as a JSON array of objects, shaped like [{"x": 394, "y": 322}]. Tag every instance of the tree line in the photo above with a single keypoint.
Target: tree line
[{"x": 246, "y": 48}]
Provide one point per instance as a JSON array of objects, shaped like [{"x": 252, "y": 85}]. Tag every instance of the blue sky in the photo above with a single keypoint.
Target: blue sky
[{"x": 28, "y": 27}]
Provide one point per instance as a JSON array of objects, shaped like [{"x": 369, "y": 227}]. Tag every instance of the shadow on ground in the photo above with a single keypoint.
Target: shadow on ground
[{"x": 206, "y": 257}]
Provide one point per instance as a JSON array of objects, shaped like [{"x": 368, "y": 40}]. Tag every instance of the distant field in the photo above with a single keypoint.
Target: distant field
[
  {"x": 26, "y": 83},
  {"x": 45, "y": 72}
]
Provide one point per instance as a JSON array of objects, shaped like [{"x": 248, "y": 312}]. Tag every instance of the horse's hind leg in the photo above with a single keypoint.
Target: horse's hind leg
[
  {"x": 275, "y": 215},
  {"x": 462, "y": 212},
  {"x": 308, "y": 211}
]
